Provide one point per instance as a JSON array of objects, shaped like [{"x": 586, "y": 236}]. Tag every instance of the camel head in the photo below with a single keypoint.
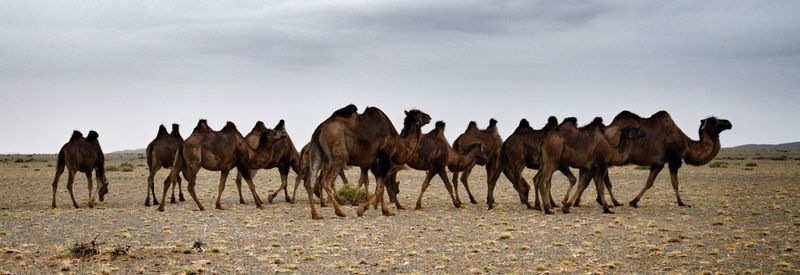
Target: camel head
[
  {"x": 270, "y": 137},
  {"x": 417, "y": 117},
  {"x": 714, "y": 126},
  {"x": 103, "y": 189}
]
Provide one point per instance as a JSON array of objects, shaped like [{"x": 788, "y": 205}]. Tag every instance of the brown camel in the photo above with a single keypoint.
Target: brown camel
[
  {"x": 82, "y": 155},
  {"x": 589, "y": 148},
  {"x": 220, "y": 151},
  {"x": 303, "y": 176},
  {"x": 364, "y": 140},
  {"x": 492, "y": 142},
  {"x": 284, "y": 157},
  {"x": 160, "y": 154},
  {"x": 665, "y": 143},
  {"x": 433, "y": 155},
  {"x": 523, "y": 149}
]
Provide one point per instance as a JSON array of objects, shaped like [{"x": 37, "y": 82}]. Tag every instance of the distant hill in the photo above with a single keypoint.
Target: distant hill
[
  {"x": 131, "y": 151},
  {"x": 784, "y": 146}
]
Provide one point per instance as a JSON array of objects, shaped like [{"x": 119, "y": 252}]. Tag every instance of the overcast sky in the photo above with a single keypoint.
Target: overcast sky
[{"x": 124, "y": 67}]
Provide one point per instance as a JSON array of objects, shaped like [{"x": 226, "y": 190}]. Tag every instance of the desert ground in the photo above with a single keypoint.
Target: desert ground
[{"x": 744, "y": 217}]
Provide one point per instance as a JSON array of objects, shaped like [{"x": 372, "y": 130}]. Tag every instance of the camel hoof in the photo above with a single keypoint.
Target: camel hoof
[
  {"x": 457, "y": 205},
  {"x": 491, "y": 206},
  {"x": 219, "y": 207},
  {"x": 388, "y": 214},
  {"x": 681, "y": 204},
  {"x": 340, "y": 214},
  {"x": 607, "y": 211},
  {"x": 269, "y": 198},
  {"x": 173, "y": 201},
  {"x": 565, "y": 210},
  {"x": 201, "y": 208},
  {"x": 147, "y": 204},
  {"x": 292, "y": 202},
  {"x": 548, "y": 212},
  {"x": 418, "y": 207},
  {"x": 260, "y": 206},
  {"x": 160, "y": 209},
  {"x": 400, "y": 207},
  {"x": 634, "y": 204},
  {"x": 360, "y": 211},
  {"x": 316, "y": 217},
  {"x": 287, "y": 199},
  {"x": 242, "y": 202},
  {"x": 472, "y": 201},
  {"x": 91, "y": 205}
]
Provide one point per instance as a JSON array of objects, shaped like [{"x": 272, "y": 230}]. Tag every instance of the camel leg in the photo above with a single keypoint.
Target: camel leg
[
  {"x": 248, "y": 177},
  {"x": 70, "y": 181},
  {"x": 239, "y": 187},
  {"x": 543, "y": 184},
  {"x": 299, "y": 177},
  {"x": 91, "y": 194},
  {"x": 580, "y": 188},
  {"x": 55, "y": 185},
  {"x": 378, "y": 195},
  {"x": 151, "y": 186},
  {"x": 455, "y": 188},
  {"x": 223, "y": 176},
  {"x": 492, "y": 175},
  {"x": 536, "y": 190},
  {"x": 443, "y": 175},
  {"x": 190, "y": 183},
  {"x": 428, "y": 176},
  {"x": 363, "y": 180},
  {"x": 599, "y": 175},
  {"x": 583, "y": 181},
  {"x": 607, "y": 181},
  {"x": 311, "y": 177},
  {"x": 572, "y": 181},
  {"x": 654, "y": 170},
  {"x": 284, "y": 171},
  {"x": 673, "y": 175},
  {"x": 344, "y": 177},
  {"x": 328, "y": 186},
  {"x": 465, "y": 182},
  {"x": 393, "y": 195},
  {"x": 180, "y": 188}
]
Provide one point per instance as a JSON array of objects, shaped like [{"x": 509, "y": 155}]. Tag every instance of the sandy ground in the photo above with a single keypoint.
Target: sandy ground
[{"x": 742, "y": 219}]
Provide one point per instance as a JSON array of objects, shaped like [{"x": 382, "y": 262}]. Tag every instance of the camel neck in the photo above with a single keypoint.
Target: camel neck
[{"x": 702, "y": 151}]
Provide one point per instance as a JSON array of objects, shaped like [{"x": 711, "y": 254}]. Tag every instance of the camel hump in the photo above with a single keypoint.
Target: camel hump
[
  {"x": 346, "y": 111},
  {"x": 661, "y": 114},
  {"x": 260, "y": 126},
  {"x": 162, "y": 131},
  {"x": 92, "y": 135},
  {"x": 175, "y": 127},
  {"x": 76, "y": 135},
  {"x": 472, "y": 126},
  {"x": 281, "y": 125},
  {"x": 627, "y": 115},
  {"x": 201, "y": 124},
  {"x": 552, "y": 120},
  {"x": 440, "y": 125},
  {"x": 523, "y": 123},
  {"x": 229, "y": 126},
  {"x": 596, "y": 122},
  {"x": 492, "y": 123}
]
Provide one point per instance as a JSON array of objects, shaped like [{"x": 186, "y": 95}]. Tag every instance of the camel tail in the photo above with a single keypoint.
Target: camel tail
[
  {"x": 60, "y": 163},
  {"x": 149, "y": 155},
  {"x": 177, "y": 165}
]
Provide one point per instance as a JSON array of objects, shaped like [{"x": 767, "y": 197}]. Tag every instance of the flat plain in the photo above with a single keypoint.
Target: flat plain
[{"x": 744, "y": 217}]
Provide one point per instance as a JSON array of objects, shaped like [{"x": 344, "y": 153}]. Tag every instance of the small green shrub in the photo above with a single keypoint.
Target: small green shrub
[
  {"x": 126, "y": 167},
  {"x": 348, "y": 191},
  {"x": 751, "y": 164},
  {"x": 112, "y": 168},
  {"x": 19, "y": 160},
  {"x": 642, "y": 167},
  {"x": 718, "y": 164}
]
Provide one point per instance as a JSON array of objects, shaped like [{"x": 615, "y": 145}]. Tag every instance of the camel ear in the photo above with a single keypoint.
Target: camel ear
[
  {"x": 613, "y": 135},
  {"x": 406, "y": 112}
]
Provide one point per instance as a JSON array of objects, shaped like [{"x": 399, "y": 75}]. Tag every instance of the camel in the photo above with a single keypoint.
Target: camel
[
  {"x": 220, "y": 151},
  {"x": 665, "y": 143},
  {"x": 160, "y": 154},
  {"x": 368, "y": 139},
  {"x": 433, "y": 155},
  {"x": 82, "y": 155},
  {"x": 590, "y": 148},
  {"x": 284, "y": 157},
  {"x": 523, "y": 149},
  {"x": 492, "y": 142}
]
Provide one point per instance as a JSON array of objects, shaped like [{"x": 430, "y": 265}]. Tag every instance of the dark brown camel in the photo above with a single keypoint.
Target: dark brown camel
[
  {"x": 523, "y": 149},
  {"x": 589, "y": 148},
  {"x": 82, "y": 155},
  {"x": 160, "y": 154},
  {"x": 364, "y": 140},
  {"x": 665, "y": 143},
  {"x": 220, "y": 151},
  {"x": 433, "y": 155},
  {"x": 284, "y": 157},
  {"x": 303, "y": 176},
  {"x": 492, "y": 142}
]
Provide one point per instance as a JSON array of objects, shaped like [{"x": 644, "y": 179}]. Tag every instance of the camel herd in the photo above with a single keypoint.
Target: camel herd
[{"x": 369, "y": 141}]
